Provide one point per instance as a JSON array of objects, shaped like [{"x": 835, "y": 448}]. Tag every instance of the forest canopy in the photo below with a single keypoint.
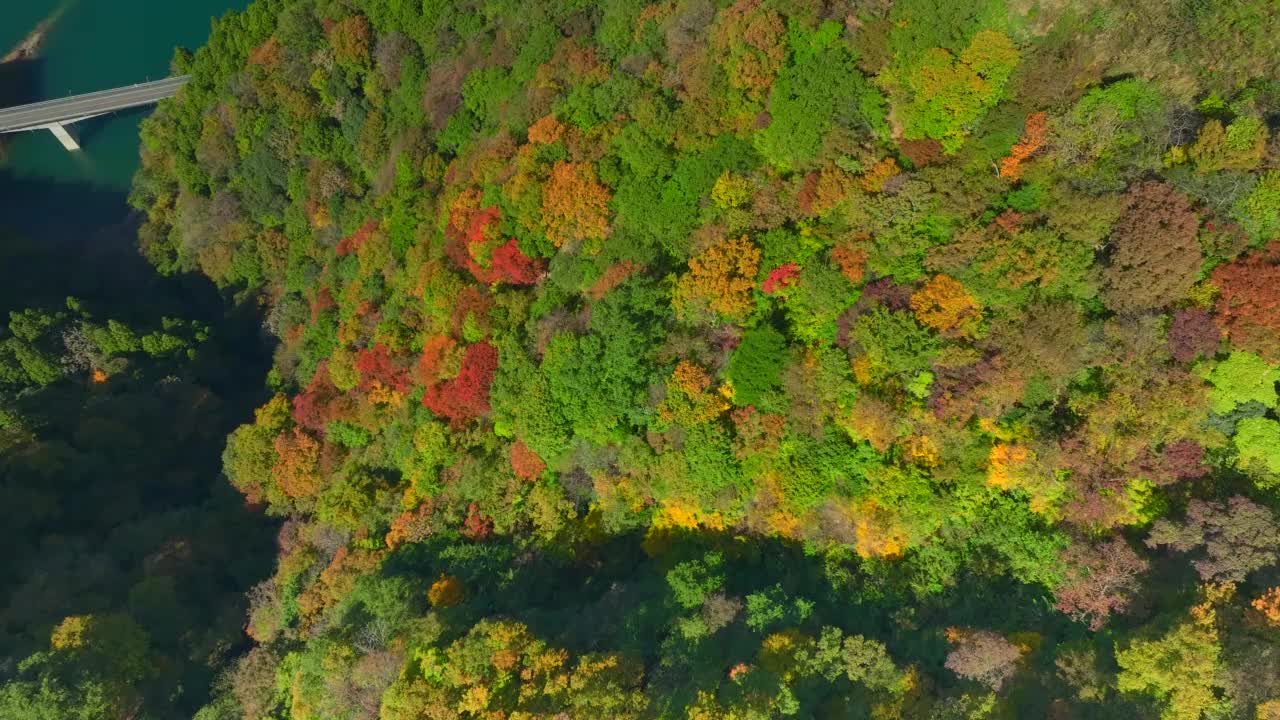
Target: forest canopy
[{"x": 746, "y": 359}]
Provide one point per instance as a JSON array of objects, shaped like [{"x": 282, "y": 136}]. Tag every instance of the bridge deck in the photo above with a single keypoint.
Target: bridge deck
[{"x": 76, "y": 107}]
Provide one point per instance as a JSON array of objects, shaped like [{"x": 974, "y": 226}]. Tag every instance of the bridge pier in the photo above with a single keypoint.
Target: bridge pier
[{"x": 64, "y": 136}]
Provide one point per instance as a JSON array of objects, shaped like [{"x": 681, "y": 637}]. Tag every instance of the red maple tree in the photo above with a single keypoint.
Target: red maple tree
[
  {"x": 477, "y": 526},
  {"x": 352, "y": 242},
  {"x": 1249, "y": 303},
  {"x": 525, "y": 462},
  {"x": 377, "y": 364},
  {"x": 467, "y": 395},
  {"x": 780, "y": 278},
  {"x": 474, "y": 244}
]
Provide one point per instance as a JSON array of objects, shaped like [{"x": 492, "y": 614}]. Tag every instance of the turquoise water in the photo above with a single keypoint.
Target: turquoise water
[{"x": 95, "y": 45}]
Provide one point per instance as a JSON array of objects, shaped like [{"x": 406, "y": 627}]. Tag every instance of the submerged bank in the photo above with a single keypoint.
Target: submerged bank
[{"x": 29, "y": 48}]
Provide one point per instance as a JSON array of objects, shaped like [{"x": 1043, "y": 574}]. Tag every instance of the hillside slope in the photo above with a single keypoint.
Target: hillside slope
[{"x": 737, "y": 360}]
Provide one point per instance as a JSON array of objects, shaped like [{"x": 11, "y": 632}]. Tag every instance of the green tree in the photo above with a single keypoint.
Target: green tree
[
  {"x": 1243, "y": 377},
  {"x": 946, "y": 94},
  {"x": 1179, "y": 669},
  {"x": 756, "y": 365}
]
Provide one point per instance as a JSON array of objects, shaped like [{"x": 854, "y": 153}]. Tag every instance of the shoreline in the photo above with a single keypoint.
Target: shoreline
[{"x": 29, "y": 48}]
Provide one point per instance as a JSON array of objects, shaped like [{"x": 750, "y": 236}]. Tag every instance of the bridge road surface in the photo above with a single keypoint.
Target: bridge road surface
[{"x": 80, "y": 107}]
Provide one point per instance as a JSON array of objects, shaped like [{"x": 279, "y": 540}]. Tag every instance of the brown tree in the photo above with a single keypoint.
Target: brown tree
[
  {"x": 1192, "y": 334},
  {"x": 351, "y": 39},
  {"x": 1154, "y": 255},
  {"x": 1099, "y": 580},
  {"x": 983, "y": 656},
  {"x": 1232, "y": 538}
]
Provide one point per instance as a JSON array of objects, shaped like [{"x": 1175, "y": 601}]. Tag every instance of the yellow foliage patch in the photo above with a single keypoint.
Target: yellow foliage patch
[
  {"x": 679, "y": 515},
  {"x": 673, "y": 518},
  {"x": 876, "y": 534},
  {"x": 1002, "y": 465},
  {"x": 719, "y": 280},
  {"x": 731, "y": 191},
  {"x": 1269, "y": 710},
  {"x": 922, "y": 451},
  {"x": 689, "y": 398},
  {"x": 862, "y": 370},
  {"x": 474, "y": 700},
  {"x": 446, "y": 592},
  {"x": 946, "y": 306},
  {"x": 778, "y": 652},
  {"x": 575, "y": 206},
  {"x": 1212, "y": 595},
  {"x": 70, "y": 633},
  {"x": 380, "y": 394},
  {"x": 784, "y": 523},
  {"x": 1268, "y": 603}
]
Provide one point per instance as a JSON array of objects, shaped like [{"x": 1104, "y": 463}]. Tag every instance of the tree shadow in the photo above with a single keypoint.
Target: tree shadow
[
  {"x": 77, "y": 238},
  {"x": 615, "y": 595},
  {"x": 137, "y": 499}
]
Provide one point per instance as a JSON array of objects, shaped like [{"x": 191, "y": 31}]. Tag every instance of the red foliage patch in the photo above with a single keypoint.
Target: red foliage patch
[
  {"x": 851, "y": 261},
  {"x": 756, "y": 431},
  {"x": 477, "y": 526},
  {"x": 512, "y": 266},
  {"x": 1009, "y": 221},
  {"x": 780, "y": 278},
  {"x": 473, "y": 301},
  {"x": 376, "y": 363},
  {"x": 467, "y": 395},
  {"x": 268, "y": 53},
  {"x": 921, "y": 152},
  {"x": 411, "y": 526},
  {"x": 1100, "y": 580},
  {"x": 808, "y": 191},
  {"x": 352, "y": 242},
  {"x": 884, "y": 292},
  {"x": 322, "y": 302},
  {"x": 1184, "y": 460},
  {"x": 319, "y": 403},
  {"x": 612, "y": 277},
  {"x": 1193, "y": 333},
  {"x": 1249, "y": 304},
  {"x": 525, "y": 462},
  {"x": 473, "y": 244}
]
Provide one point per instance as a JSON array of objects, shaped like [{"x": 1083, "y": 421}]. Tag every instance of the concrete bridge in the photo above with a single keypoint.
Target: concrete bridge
[{"x": 56, "y": 115}]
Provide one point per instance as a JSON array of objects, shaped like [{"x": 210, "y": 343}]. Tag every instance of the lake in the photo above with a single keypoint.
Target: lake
[{"x": 93, "y": 45}]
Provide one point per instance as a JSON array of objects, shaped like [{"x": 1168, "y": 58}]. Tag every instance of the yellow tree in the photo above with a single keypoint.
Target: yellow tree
[
  {"x": 944, "y": 305},
  {"x": 575, "y": 205},
  {"x": 719, "y": 281}
]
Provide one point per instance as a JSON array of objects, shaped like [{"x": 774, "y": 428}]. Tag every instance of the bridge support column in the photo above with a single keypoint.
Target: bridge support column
[{"x": 64, "y": 136}]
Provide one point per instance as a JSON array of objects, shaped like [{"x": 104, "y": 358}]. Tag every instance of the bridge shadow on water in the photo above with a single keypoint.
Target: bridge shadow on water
[
  {"x": 88, "y": 130},
  {"x": 20, "y": 81}
]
